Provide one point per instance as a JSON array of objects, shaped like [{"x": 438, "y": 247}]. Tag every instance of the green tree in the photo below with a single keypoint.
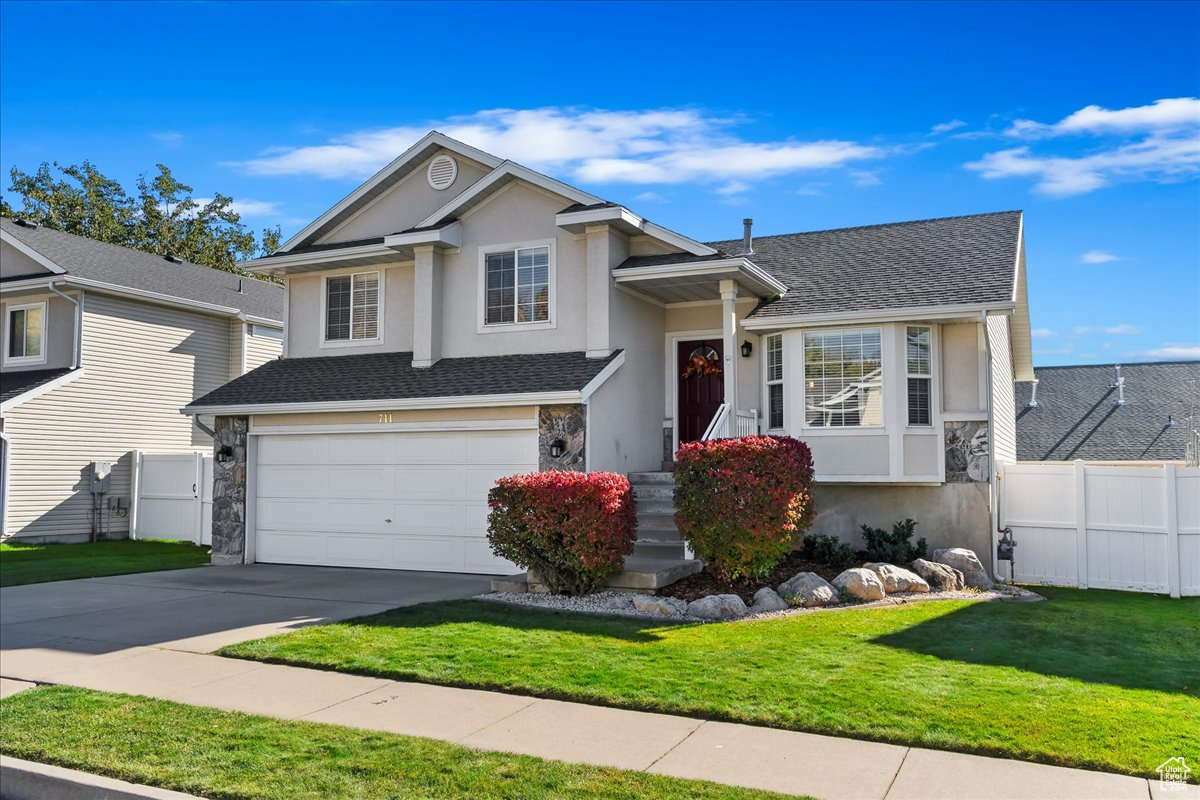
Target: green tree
[{"x": 162, "y": 218}]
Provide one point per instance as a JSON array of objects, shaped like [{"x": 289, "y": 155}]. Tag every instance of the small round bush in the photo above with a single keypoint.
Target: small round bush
[
  {"x": 572, "y": 530},
  {"x": 740, "y": 503}
]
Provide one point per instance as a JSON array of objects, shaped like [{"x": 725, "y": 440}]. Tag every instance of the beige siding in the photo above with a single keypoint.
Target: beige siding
[
  {"x": 1004, "y": 411},
  {"x": 142, "y": 363},
  {"x": 261, "y": 349}
]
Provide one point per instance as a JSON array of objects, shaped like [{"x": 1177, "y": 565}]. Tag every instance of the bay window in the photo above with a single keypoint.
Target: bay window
[
  {"x": 774, "y": 370},
  {"x": 843, "y": 378}
]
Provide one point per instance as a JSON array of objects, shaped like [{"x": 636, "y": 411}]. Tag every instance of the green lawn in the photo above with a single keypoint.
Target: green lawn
[
  {"x": 229, "y": 755},
  {"x": 37, "y": 563},
  {"x": 1095, "y": 679}
]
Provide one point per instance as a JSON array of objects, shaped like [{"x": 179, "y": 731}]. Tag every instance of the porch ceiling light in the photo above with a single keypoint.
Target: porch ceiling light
[{"x": 747, "y": 349}]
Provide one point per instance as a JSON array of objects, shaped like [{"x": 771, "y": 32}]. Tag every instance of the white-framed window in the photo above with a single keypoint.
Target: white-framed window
[
  {"x": 517, "y": 285},
  {"x": 25, "y": 334},
  {"x": 773, "y": 355},
  {"x": 352, "y": 307},
  {"x": 843, "y": 378},
  {"x": 265, "y": 332},
  {"x": 918, "y": 349}
]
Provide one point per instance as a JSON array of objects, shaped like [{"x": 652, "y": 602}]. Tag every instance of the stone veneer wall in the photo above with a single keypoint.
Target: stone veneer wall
[
  {"x": 568, "y": 423},
  {"x": 967, "y": 452},
  {"x": 229, "y": 492}
]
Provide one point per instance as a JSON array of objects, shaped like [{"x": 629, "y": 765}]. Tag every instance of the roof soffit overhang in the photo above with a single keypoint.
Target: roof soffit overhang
[
  {"x": 629, "y": 223},
  {"x": 698, "y": 280}
]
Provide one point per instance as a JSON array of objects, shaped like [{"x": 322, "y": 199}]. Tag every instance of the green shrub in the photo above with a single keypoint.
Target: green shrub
[
  {"x": 894, "y": 547},
  {"x": 741, "y": 502},
  {"x": 827, "y": 550}
]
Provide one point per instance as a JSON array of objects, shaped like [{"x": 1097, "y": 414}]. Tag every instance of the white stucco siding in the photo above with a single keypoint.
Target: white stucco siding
[
  {"x": 1004, "y": 411},
  {"x": 60, "y": 329},
  {"x": 407, "y": 203},
  {"x": 141, "y": 363},
  {"x": 305, "y": 326},
  {"x": 14, "y": 263},
  {"x": 961, "y": 358}
]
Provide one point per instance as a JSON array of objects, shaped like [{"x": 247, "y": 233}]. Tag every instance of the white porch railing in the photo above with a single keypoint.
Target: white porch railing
[{"x": 743, "y": 423}]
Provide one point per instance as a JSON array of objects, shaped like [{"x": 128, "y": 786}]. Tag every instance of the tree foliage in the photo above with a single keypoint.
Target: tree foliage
[{"x": 161, "y": 218}]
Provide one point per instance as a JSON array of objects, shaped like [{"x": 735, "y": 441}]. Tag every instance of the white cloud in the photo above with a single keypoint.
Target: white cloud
[
  {"x": 733, "y": 188},
  {"x": 1098, "y": 257},
  {"x": 648, "y": 147},
  {"x": 1122, "y": 329},
  {"x": 167, "y": 137},
  {"x": 1173, "y": 351},
  {"x": 1044, "y": 333},
  {"x": 649, "y": 197},
  {"x": 946, "y": 127},
  {"x": 1161, "y": 144},
  {"x": 865, "y": 177}
]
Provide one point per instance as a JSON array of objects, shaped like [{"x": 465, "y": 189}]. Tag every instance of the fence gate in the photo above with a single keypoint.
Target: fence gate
[
  {"x": 1131, "y": 528},
  {"x": 172, "y": 497}
]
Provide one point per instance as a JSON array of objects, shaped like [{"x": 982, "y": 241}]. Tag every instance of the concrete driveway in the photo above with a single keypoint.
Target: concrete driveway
[{"x": 47, "y": 629}]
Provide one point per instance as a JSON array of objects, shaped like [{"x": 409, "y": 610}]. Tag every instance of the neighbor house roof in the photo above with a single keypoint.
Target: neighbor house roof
[
  {"x": 1078, "y": 417},
  {"x": 391, "y": 376},
  {"x": 125, "y": 268},
  {"x": 17, "y": 383},
  {"x": 968, "y": 260}
]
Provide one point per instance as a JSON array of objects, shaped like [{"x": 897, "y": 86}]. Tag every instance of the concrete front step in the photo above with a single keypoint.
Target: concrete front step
[
  {"x": 650, "y": 548},
  {"x": 640, "y": 574},
  {"x": 655, "y": 505},
  {"x": 655, "y": 491},
  {"x": 651, "y": 477}
]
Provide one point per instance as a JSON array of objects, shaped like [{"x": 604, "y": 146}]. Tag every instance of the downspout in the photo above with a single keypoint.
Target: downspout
[
  {"x": 207, "y": 430},
  {"x": 77, "y": 347}
]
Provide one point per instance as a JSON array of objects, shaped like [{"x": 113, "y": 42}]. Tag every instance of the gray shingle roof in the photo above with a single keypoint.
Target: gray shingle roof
[
  {"x": 15, "y": 384},
  {"x": 947, "y": 261},
  {"x": 390, "y": 376},
  {"x": 1077, "y": 415},
  {"x": 134, "y": 269}
]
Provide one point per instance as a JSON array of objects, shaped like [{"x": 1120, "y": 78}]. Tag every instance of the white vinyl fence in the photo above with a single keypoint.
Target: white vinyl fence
[
  {"x": 172, "y": 497},
  {"x": 1106, "y": 527}
]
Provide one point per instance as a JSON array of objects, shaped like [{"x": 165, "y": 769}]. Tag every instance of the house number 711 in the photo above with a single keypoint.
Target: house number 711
[{"x": 386, "y": 416}]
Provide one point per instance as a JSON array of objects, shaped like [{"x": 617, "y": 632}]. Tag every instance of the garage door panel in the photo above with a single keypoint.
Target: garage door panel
[
  {"x": 479, "y": 557},
  {"x": 479, "y": 480},
  {"x": 509, "y": 447},
  {"x": 291, "y": 482},
  {"x": 292, "y": 449},
  {"x": 430, "y": 517},
  {"x": 290, "y": 547},
  {"x": 431, "y": 448},
  {"x": 439, "y": 553},
  {"x": 291, "y": 514},
  {"x": 361, "y": 515},
  {"x": 428, "y": 482},
  {"x": 358, "y": 482},
  {"x": 362, "y": 448}
]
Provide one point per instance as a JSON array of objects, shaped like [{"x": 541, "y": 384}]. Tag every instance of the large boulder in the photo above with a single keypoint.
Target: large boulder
[
  {"x": 862, "y": 583},
  {"x": 658, "y": 606},
  {"x": 765, "y": 599},
  {"x": 808, "y": 589},
  {"x": 966, "y": 562},
  {"x": 717, "y": 607},
  {"x": 941, "y": 577},
  {"x": 898, "y": 579}
]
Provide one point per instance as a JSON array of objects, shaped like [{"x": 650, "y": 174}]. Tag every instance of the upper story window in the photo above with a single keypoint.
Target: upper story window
[
  {"x": 919, "y": 356},
  {"x": 517, "y": 285},
  {"x": 264, "y": 332},
  {"x": 774, "y": 371},
  {"x": 352, "y": 307},
  {"x": 843, "y": 378},
  {"x": 25, "y": 330}
]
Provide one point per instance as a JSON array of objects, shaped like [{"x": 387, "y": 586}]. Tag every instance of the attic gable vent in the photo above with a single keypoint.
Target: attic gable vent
[{"x": 442, "y": 172}]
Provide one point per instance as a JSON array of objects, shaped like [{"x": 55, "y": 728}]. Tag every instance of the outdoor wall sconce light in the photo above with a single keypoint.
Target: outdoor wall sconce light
[
  {"x": 224, "y": 454},
  {"x": 747, "y": 349},
  {"x": 557, "y": 448}
]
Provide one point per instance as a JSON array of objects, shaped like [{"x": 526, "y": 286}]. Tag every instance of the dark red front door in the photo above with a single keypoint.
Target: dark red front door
[{"x": 702, "y": 391}]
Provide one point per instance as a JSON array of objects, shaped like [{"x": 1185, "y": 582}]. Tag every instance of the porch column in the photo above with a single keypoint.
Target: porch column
[
  {"x": 427, "y": 306},
  {"x": 599, "y": 279},
  {"x": 729, "y": 329}
]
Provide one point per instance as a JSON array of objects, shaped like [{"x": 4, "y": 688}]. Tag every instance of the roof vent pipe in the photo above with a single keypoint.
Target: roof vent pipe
[
  {"x": 1033, "y": 394},
  {"x": 747, "y": 242},
  {"x": 1119, "y": 385}
]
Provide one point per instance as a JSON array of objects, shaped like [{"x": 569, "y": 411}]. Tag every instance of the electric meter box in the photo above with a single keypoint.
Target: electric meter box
[{"x": 101, "y": 476}]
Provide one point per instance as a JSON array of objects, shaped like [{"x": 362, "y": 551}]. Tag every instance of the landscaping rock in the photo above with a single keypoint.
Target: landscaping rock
[
  {"x": 898, "y": 579},
  {"x": 942, "y": 577},
  {"x": 717, "y": 606},
  {"x": 658, "y": 606},
  {"x": 808, "y": 589},
  {"x": 862, "y": 583},
  {"x": 619, "y": 601},
  {"x": 765, "y": 599},
  {"x": 966, "y": 562}
]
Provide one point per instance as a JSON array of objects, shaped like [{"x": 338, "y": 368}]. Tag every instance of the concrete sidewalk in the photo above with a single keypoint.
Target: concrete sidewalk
[{"x": 825, "y": 767}]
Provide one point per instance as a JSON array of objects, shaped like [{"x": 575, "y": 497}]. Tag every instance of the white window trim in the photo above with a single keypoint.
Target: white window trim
[
  {"x": 324, "y": 308},
  {"x": 768, "y": 383},
  {"x": 257, "y": 330},
  {"x": 926, "y": 375},
  {"x": 21, "y": 361},
  {"x": 883, "y": 362},
  {"x": 482, "y": 325}
]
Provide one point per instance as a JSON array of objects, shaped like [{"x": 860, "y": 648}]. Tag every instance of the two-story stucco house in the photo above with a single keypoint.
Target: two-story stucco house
[
  {"x": 101, "y": 346},
  {"x": 459, "y": 317}
]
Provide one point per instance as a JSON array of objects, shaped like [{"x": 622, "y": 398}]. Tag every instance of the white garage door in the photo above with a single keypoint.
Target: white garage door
[{"x": 396, "y": 500}]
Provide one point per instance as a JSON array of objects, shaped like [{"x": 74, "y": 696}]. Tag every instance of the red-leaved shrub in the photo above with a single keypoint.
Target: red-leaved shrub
[
  {"x": 571, "y": 529},
  {"x": 740, "y": 502}
]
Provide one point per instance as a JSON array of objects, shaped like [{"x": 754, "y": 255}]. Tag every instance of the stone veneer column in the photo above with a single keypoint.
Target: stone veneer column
[
  {"x": 967, "y": 452},
  {"x": 229, "y": 491},
  {"x": 568, "y": 423}
]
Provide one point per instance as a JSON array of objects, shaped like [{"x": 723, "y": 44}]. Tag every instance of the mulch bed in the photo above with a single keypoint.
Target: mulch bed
[{"x": 705, "y": 583}]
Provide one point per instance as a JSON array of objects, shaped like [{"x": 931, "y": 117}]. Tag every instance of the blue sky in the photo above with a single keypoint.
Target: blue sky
[{"x": 803, "y": 116}]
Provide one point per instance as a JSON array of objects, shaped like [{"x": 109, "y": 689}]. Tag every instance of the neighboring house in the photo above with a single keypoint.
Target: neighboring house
[
  {"x": 101, "y": 346},
  {"x": 1105, "y": 412},
  {"x": 459, "y": 317}
]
